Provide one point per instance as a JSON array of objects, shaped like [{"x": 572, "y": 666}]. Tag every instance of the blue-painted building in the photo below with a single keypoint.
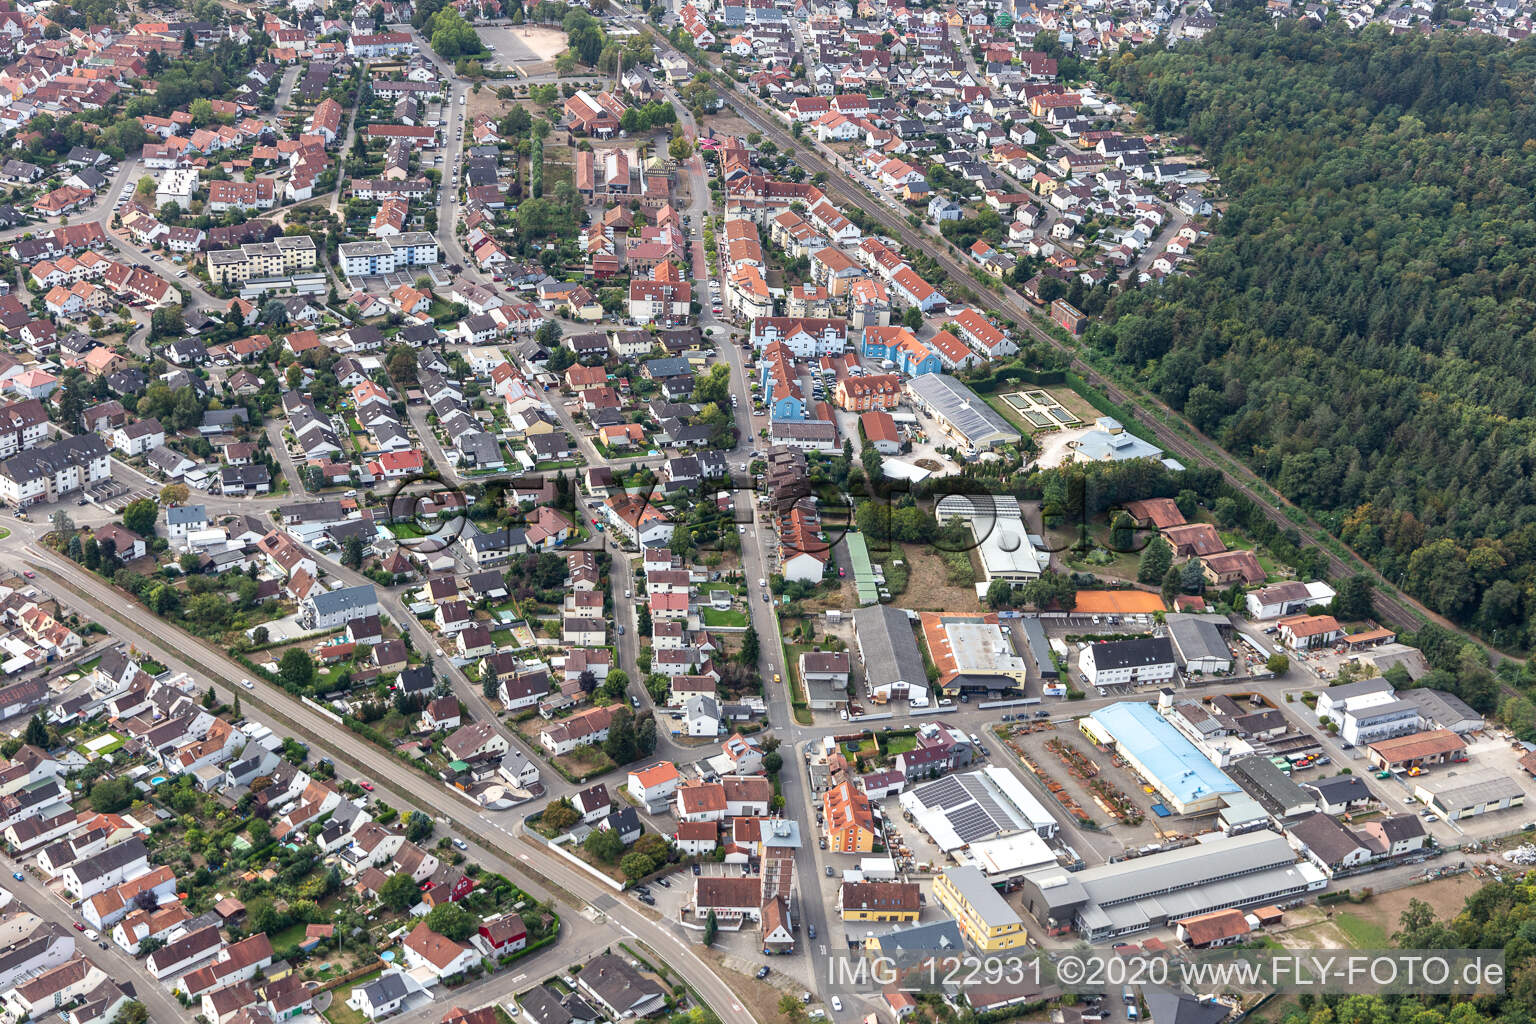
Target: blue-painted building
[{"x": 897, "y": 344}]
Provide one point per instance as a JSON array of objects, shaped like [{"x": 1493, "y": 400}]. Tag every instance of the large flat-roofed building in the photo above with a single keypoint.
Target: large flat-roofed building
[
  {"x": 985, "y": 918},
  {"x": 1465, "y": 794},
  {"x": 997, "y": 525},
  {"x": 281, "y": 257},
  {"x": 1004, "y": 860},
  {"x": 1134, "y": 895},
  {"x": 973, "y": 806},
  {"x": 974, "y": 653},
  {"x": 1419, "y": 750},
  {"x": 960, "y": 412},
  {"x": 1173, "y": 766}
]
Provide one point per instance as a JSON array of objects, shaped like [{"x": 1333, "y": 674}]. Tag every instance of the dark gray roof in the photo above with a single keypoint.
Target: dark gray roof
[
  {"x": 1168, "y": 1006},
  {"x": 1267, "y": 784},
  {"x": 887, "y": 646},
  {"x": 1447, "y": 709},
  {"x": 1340, "y": 789},
  {"x": 327, "y": 601},
  {"x": 1137, "y": 653},
  {"x": 1196, "y": 637},
  {"x": 543, "y": 1006},
  {"x": 386, "y": 988},
  {"x": 183, "y": 515}
]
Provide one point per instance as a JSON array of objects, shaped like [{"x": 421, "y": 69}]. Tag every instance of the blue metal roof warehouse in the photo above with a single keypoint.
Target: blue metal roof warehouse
[{"x": 1188, "y": 782}]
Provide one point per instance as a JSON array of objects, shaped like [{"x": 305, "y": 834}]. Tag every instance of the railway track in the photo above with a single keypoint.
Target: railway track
[{"x": 1401, "y": 612}]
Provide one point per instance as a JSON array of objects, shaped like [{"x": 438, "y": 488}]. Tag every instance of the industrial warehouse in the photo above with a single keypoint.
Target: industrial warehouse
[
  {"x": 1185, "y": 779},
  {"x": 961, "y": 809},
  {"x": 1148, "y": 892}
]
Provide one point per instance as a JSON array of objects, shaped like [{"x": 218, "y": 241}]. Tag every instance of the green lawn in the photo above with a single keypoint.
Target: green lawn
[
  {"x": 339, "y": 1012},
  {"x": 728, "y": 617},
  {"x": 1364, "y": 934},
  {"x": 4, "y": 533},
  {"x": 900, "y": 745},
  {"x": 290, "y": 936}
]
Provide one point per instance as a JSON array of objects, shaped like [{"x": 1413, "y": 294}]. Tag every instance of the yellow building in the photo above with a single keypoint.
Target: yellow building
[
  {"x": 985, "y": 918},
  {"x": 879, "y": 901}
]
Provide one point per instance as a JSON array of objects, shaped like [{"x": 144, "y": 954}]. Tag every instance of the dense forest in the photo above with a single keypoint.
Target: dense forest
[{"x": 1362, "y": 326}]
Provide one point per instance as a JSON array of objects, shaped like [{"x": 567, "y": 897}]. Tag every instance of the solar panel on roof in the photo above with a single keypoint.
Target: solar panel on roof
[
  {"x": 945, "y": 793},
  {"x": 972, "y": 823}
]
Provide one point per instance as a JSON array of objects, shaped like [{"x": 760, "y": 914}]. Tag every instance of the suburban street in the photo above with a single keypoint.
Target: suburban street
[
  {"x": 122, "y": 967},
  {"x": 497, "y": 844}
]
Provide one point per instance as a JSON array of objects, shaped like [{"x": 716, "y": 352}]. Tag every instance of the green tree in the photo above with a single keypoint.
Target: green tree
[
  {"x": 419, "y": 826},
  {"x": 912, "y": 319},
  {"x": 1277, "y": 663},
  {"x": 560, "y": 815},
  {"x": 711, "y": 929},
  {"x": 399, "y": 892},
  {"x": 1122, "y": 532},
  {"x": 1156, "y": 558},
  {"x": 109, "y": 796},
  {"x": 604, "y": 844},
  {"x": 636, "y": 865},
  {"x": 1353, "y": 601},
  {"x": 37, "y": 732},
  {"x": 751, "y": 647},
  {"x": 133, "y": 1011},
  {"x": 451, "y": 921},
  {"x": 296, "y": 669},
  {"x": 139, "y": 516},
  {"x": 620, "y": 744},
  {"x": 713, "y": 386}
]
